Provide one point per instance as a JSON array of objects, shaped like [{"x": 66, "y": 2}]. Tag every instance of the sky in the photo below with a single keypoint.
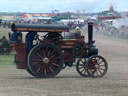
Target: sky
[{"x": 46, "y": 6}]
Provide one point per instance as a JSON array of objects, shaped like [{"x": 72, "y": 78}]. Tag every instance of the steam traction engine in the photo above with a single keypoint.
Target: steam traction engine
[{"x": 48, "y": 56}]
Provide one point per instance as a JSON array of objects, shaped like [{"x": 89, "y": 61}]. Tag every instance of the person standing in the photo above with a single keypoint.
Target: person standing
[{"x": 29, "y": 40}]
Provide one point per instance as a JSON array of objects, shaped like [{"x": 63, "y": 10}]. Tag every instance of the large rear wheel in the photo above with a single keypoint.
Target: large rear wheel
[{"x": 45, "y": 60}]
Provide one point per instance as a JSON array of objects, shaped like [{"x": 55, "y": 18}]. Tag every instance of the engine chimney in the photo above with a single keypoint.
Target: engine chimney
[{"x": 90, "y": 32}]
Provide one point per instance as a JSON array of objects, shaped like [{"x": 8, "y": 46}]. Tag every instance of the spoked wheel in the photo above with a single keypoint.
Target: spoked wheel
[
  {"x": 45, "y": 60},
  {"x": 81, "y": 67},
  {"x": 97, "y": 66},
  {"x": 6, "y": 48}
]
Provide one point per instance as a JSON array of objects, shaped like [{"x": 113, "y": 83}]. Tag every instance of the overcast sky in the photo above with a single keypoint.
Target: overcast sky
[{"x": 43, "y": 6}]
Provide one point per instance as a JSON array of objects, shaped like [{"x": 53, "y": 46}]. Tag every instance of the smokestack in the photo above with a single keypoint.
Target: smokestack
[{"x": 90, "y": 32}]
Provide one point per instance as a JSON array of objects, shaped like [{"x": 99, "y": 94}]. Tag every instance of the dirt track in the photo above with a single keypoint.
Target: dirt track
[{"x": 15, "y": 82}]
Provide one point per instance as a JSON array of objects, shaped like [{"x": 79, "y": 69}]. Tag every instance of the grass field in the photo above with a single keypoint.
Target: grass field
[{"x": 7, "y": 60}]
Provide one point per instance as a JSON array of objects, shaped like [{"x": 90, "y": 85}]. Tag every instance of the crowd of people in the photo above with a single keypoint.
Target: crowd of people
[{"x": 109, "y": 28}]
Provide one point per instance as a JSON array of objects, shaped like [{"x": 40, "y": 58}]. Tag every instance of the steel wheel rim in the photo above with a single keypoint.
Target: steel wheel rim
[
  {"x": 81, "y": 67},
  {"x": 97, "y": 66},
  {"x": 46, "y": 61}
]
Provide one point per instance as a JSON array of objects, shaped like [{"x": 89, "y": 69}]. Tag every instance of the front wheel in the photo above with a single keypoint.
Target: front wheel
[{"x": 97, "y": 66}]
